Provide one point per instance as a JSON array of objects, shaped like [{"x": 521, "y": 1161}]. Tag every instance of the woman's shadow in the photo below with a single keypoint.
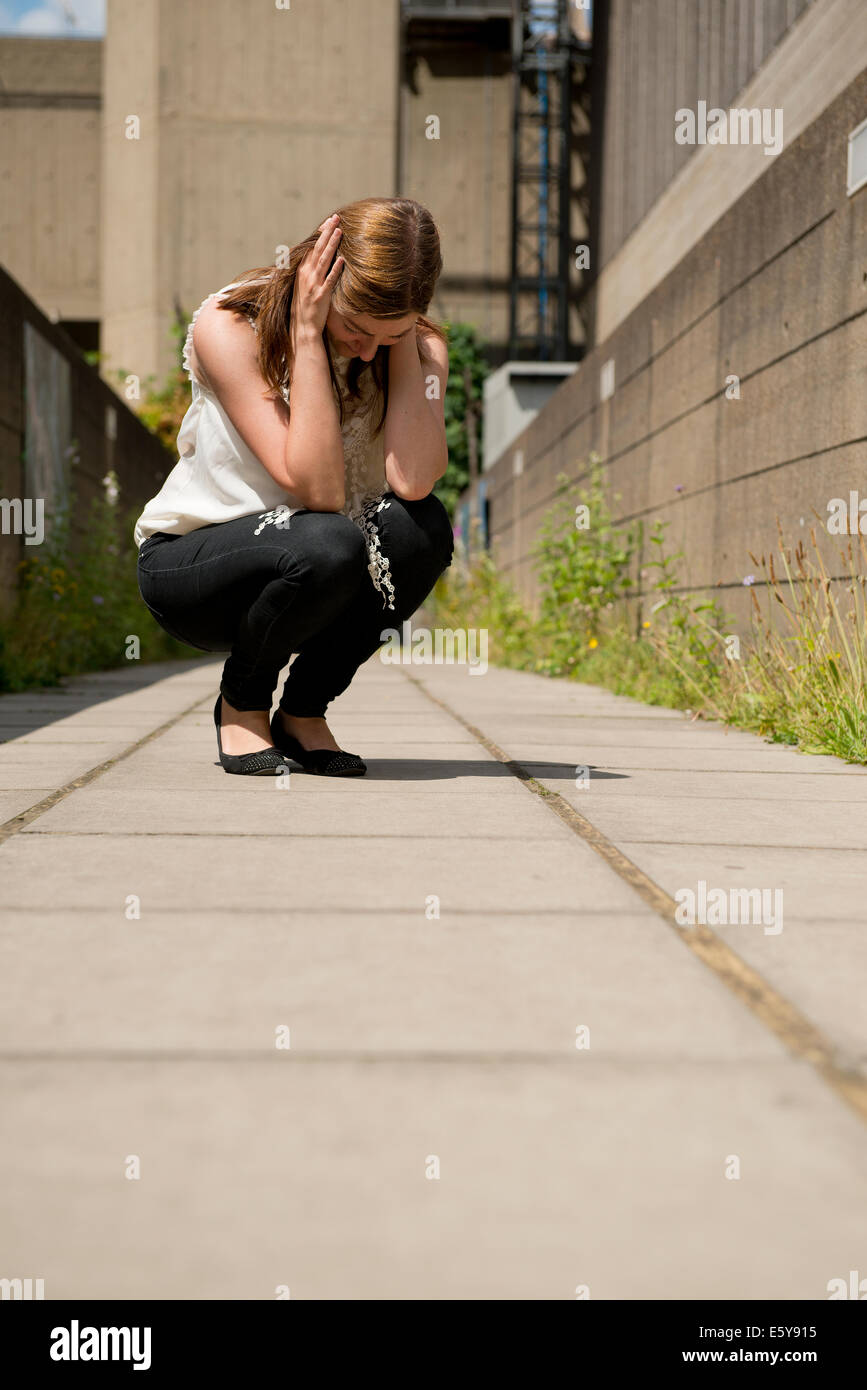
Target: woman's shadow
[{"x": 433, "y": 770}]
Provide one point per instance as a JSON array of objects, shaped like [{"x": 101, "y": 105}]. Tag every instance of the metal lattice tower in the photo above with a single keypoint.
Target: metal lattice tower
[{"x": 544, "y": 52}]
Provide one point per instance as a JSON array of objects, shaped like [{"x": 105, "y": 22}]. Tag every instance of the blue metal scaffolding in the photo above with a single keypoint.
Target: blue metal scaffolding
[{"x": 545, "y": 51}]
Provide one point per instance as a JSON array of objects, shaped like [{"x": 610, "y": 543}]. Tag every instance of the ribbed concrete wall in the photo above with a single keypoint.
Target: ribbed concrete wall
[
  {"x": 663, "y": 55},
  {"x": 815, "y": 60},
  {"x": 775, "y": 294},
  {"x": 50, "y": 100}
]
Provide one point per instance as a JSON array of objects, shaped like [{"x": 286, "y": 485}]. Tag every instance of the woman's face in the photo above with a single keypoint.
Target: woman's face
[{"x": 359, "y": 335}]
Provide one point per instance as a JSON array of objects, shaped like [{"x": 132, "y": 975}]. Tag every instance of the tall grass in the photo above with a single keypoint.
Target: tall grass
[{"x": 806, "y": 679}]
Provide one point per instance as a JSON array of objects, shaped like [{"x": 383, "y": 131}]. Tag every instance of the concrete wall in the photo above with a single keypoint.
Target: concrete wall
[
  {"x": 464, "y": 177},
  {"x": 662, "y": 55},
  {"x": 50, "y": 100},
  {"x": 254, "y": 124},
  {"x": 816, "y": 59},
  {"x": 102, "y": 432},
  {"x": 775, "y": 293}
]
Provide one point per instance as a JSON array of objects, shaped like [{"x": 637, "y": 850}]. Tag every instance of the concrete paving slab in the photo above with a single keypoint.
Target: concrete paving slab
[
  {"x": 100, "y": 811},
  {"x": 353, "y": 982},
  {"x": 263, "y": 871},
  {"x": 628, "y": 755},
  {"x": 21, "y": 774},
  {"x": 824, "y": 965},
  {"x": 643, "y": 784},
  {"x": 819, "y": 885},
  {"x": 66, "y": 731},
  {"x": 697, "y": 820},
  {"x": 312, "y": 1175},
  {"x": 611, "y": 733},
  {"x": 808, "y": 845},
  {"x": 412, "y": 1035}
]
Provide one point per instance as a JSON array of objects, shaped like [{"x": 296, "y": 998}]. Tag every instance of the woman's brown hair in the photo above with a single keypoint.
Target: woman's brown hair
[{"x": 391, "y": 250}]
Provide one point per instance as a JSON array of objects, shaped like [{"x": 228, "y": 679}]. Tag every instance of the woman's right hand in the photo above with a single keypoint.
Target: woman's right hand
[{"x": 314, "y": 281}]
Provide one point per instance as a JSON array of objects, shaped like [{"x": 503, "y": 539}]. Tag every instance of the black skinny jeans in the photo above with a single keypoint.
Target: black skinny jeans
[{"x": 304, "y": 589}]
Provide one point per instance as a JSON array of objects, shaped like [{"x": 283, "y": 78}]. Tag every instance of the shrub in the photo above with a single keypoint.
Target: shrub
[{"x": 77, "y": 604}]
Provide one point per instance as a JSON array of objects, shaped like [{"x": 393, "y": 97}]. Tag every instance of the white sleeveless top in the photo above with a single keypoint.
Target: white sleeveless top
[{"x": 217, "y": 478}]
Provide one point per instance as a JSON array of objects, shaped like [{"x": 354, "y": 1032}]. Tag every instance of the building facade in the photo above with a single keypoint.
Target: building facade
[
  {"x": 725, "y": 385},
  {"x": 148, "y": 168}
]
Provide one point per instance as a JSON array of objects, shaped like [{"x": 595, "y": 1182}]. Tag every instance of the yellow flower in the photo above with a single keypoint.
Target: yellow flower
[
  {"x": 645, "y": 624},
  {"x": 593, "y": 642}
]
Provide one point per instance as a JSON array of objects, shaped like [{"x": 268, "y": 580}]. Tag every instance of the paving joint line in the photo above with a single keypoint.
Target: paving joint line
[
  {"x": 392, "y": 1056},
  {"x": 290, "y": 834},
  {"x": 794, "y": 1030}
]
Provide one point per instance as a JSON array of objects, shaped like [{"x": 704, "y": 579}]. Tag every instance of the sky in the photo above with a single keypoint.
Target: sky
[
  {"x": 53, "y": 17},
  {"x": 67, "y": 17}
]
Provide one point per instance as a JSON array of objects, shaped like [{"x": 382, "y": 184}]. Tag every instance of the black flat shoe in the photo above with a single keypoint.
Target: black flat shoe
[
  {"x": 266, "y": 763},
  {"x": 323, "y": 761}
]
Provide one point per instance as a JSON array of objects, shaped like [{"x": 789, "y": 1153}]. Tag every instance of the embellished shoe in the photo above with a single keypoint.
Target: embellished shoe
[
  {"x": 266, "y": 763},
  {"x": 323, "y": 761}
]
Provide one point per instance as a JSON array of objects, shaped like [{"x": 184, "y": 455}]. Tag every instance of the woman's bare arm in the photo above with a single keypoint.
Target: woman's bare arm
[
  {"x": 302, "y": 449},
  {"x": 416, "y": 453}
]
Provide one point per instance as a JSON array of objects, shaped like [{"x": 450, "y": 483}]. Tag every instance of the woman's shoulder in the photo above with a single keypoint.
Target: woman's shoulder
[
  {"x": 213, "y": 312},
  {"x": 214, "y": 334},
  {"x": 432, "y": 347}
]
